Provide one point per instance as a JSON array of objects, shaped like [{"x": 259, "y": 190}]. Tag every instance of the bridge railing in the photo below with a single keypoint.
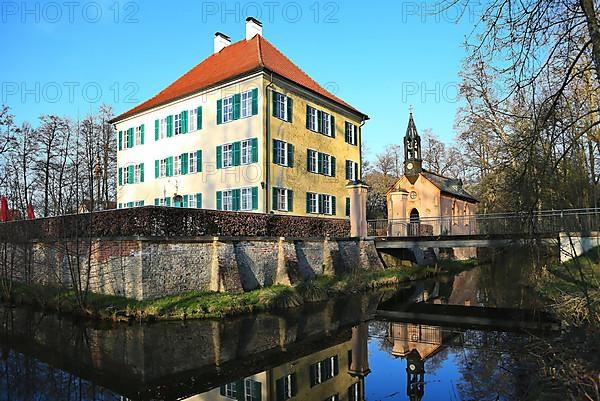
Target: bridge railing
[{"x": 538, "y": 222}]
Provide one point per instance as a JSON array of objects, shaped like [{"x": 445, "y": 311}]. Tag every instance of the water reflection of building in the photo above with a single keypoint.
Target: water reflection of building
[
  {"x": 333, "y": 374},
  {"x": 415, "y": 343}
]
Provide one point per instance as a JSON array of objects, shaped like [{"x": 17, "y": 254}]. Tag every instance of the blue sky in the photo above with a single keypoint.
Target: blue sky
[{"x": 382, "y": 56}]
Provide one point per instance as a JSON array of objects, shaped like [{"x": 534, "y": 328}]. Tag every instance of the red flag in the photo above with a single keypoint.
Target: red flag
[
  {"x": 3, "y": 209},
  {"x": 30, "y": 212}
]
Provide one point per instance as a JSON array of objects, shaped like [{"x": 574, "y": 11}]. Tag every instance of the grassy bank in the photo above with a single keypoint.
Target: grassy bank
[
  {"x": 571, "y": 291},
  {"x": 198, "y": 305}
]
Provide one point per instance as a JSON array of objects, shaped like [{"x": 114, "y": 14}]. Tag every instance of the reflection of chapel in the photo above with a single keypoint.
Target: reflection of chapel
[{"x": 420, "y": 194}]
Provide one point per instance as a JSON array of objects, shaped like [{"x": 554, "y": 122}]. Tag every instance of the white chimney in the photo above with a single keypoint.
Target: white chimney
[
  {"x": 253, "y": 28},
  {"x": 221, "y": 41}
]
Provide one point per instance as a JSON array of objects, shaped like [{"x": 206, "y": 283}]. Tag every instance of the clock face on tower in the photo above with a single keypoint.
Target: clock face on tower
[{"x": 409, "y": 166}]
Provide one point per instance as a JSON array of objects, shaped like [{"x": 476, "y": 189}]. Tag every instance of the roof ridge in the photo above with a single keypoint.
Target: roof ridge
[{"x": 259, "y": 48}]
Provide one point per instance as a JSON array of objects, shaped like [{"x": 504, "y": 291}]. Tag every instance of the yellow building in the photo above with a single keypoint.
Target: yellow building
[
  {"x": 244, "y": 130},
  {"x": 425, "y": 203}
]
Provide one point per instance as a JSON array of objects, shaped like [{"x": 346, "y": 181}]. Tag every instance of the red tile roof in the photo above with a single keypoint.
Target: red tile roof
[{"x": 235, "y": 60}]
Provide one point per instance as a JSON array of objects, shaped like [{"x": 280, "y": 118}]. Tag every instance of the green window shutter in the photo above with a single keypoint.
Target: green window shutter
[
  {"x": 333, "y": 166},
  {"x": 332, "y": 126},
  {"x": 184, "y": 122},
  {"x": 120, "y": 140},
  {"x": 254, "y": 198},
  {"x": 290, "y": 200},
  {"x": 156, "y": 168},
  {"x": 219, "y": 200},
  {"x": 237, "y": 153},
  {"x": 257, "y": 389},
  {"x": 320, "y": 163},
  {"x": 199, "y": 201},
  {"x": 236, "y": 106},
  {"x": 356, "y": 171},
  {"x": 168, "y": 201},
  {"x": 120, "y": 206},
  {"x": 170, "y": 166},
  {"x": 141, "y": 203},
  {"x": 294, "y": 384},
  {"x": 185, "y": 201},
  {"x": 199, "y": 118},
  {"x": 184, "y": 163},
  {"x": 219, "y": 111},
  {"x": 290, "y": 155},
  {"x": 308, "y": 202},
  {"x": 198, "y": 161},
  {"x": 130, "y": 204},
  {"x": 275, "y": 153},
  {"x": 240, "y": 393},
  {"x": 254, "y": 150},
  {"x": 169, "y": 126},
  {"x": 254, "y": 101},
  {"x": 130, "y": 174},
  {"x": 219, "y": 157},
  {"x": 236, "y": 199},
  {"x": 308, "y": 116},
  {"x": 320, "y": 121},
  {"x": 222, "y": 390},
  {"x": 275, "y": 104},
  {"x": 333, "y": 206},
  {"x": 347, "y": 206},
  {"x": 156, "y": 201},
  {"x": 156, "y": 129},
  {"x": 120, "y": 176},
  {"x": 321, "y": 202},
  {"x": 142, "y": 134},
  {"x": 348, "y": 167},
  {"x": 131, "y": 137},
  {"x": 274, "y": 199},
  {"x": 290, "y": 109},
  {"x": 308, "y": 157},
  {"x": 142, "y": 172}
]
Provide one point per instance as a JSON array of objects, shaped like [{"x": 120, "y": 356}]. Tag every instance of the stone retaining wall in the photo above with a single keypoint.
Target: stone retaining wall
[{"x": 147, "y": 268}]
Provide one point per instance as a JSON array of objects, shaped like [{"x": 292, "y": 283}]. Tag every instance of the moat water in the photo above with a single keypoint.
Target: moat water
[{"x": 455, "y": 337}]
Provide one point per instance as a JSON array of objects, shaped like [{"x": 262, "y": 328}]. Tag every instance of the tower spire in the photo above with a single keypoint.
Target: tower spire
[{"x": 412, "y": 148}]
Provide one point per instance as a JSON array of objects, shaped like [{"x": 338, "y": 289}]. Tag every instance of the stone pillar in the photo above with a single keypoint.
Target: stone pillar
[
  {"x": 358, "y": 208},
  {"x": 397, "y": 212},
  {"x": 360, "y": 353}
]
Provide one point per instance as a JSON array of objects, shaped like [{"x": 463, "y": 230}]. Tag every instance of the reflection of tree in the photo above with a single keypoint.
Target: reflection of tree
[
  {"x": 436, "y": 361},
  {"x": 379, "y": 330}
]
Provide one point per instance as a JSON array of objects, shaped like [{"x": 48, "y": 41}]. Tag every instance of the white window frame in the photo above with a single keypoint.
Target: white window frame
[
  {"x": 326, "y": 164},
  {"x": 326, "y": 123},
  {"x": 192, "y": 201},
  {"x": 313, "y": 123},
  {"x": 162, "y": 202},
  {"x": 249, "y": 394},
  {"x": 246, "y": 151},
  {"x": 227, "y": 152},
  {"x": 313, "y": 165},
  {"x": 246, "y": 104},
  {"x": 192, "y": 163},
  {"x": 282, "y": 200},
  {"x": 353, "y": 168},
  {"x": 327, "y": 204},
  {"x": 282, "y": 151},
  {"x": 127, "y": 134},
  {"x": 227, "y": 109},
  {"x": 177, "y": 124},
  {"x": 137, "y": 174},
  {"x": 282, "y": 101},
  {"x": 246, "y": 199},
  {"x": 192, "y": 120},
  {"x": 231, "y": 390},
  {"x": 287, "y": 386},
  {"x": 162, "y": 168},
  {"x": 138, "y": 203},
  {"x": 177, "y": 165},
  {"x": 352, "y": 133},
  {"x": 227, "y": 200},
  {"x": 314, "y": 202},
  {"x": 138, "y": 135},
  {"x": 162, "y": 130}
]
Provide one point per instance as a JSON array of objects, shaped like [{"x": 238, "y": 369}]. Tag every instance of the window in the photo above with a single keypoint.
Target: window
[
  {"x": 163, "y": 168},
  {"x": 163, "y": 128},
  {"x": 246, "y": 199},
  {"x": 285, "y": 388},
  {"x": 129, "y": 137},
  {"x": 350, "y": 133},
  {"x": 252, "y": 389},
  {"x": 228, "y": 200},
  {"x": 247, "y": 151},
  {"x": 327, "y": 204},
  {"x": 325, "y": 123},
  {"x": 192, "y": 120},
  {"x": 313, "y": 161},
  {"x": 326, "y": 164},
  {"x": 351, "y": 170},
  {"x": 231, "y": 390},
  {"x": 177, "y": 170},
  {"x": 246, "y": 103},
  {"x": 280, "y": 153},
  {"x": 280, "y": 106},
  {"x": 354, "y": 392},
  {"x": 228, "y": 155},
  {"x": 139, "y": 203},
  {"x": 323, "y": 370},
  {"x": 138, "y": 174},
  {"x": 312, "y": 203},
  {"x": 313, "y": 119},
  {"x": 138, "y": 135},
  {"x": 283, "y": 199},
  {"x": 228, "y": 109},
  {"x": 192, "y": 201},
  {"x": 192, "y": 162},
  {"x": 177, "y": 124},
  {"x": 334, "y": 397}
]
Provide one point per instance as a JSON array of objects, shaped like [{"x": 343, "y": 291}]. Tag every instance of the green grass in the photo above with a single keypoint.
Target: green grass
[{"x": 197, "y": 305}]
